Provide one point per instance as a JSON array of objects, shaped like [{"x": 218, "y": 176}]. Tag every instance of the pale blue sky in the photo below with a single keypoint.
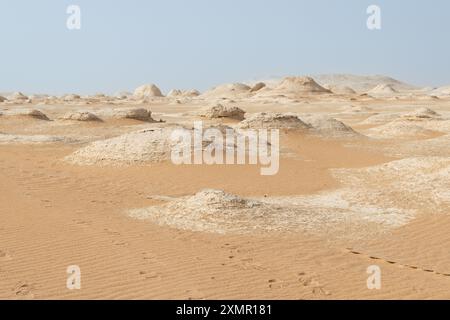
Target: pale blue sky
[{"x": 201, "y": 43}]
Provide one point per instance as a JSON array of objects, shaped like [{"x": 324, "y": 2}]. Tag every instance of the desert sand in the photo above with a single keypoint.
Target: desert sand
[{"x": 364, "y": 179}]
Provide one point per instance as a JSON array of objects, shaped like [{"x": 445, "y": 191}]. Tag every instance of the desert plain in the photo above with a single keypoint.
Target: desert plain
[{"x": 363, "y": 180}]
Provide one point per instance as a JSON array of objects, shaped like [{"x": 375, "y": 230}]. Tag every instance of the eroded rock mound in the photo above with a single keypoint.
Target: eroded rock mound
[
  {"x": 229, "y": 90},
  {"x": 341, "y": 90},
  {"x": 122, "y": 95},
  {"x": 422, "y": 114},
  {"x": 209, "y": 210},
  {"x": 221, "y": 111},
  {"x": 400, "y": 129},
  {"x": 265, "y": 120},
  {"x": 329, "y": 127},
  {"x": 29, "y": 113},
  {"x": 140, "y": 114},
  {"x": 80, "y": 116},
  {"x": 383, "y": 89},
  {"x": 31, "y": 139},
  {"x": 176, "y": 93},
  {"x": 381, "y": 118},
  {"x": 149, "y": 145},
  {"x": 418, "y": 184},
  {"x": 300, "y": 85},
  {"x": 220, "y": 212},
  {"x": 258, "y": 86},
  {"x": 71, "y": 97},
  {"x": 358, "y": 109},
  {"x": 147, "y": 91},
  {"x": 17, "y": 96}
]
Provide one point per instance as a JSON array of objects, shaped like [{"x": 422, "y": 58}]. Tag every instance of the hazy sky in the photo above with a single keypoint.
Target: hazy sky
[{"x": 201, "y": 43}]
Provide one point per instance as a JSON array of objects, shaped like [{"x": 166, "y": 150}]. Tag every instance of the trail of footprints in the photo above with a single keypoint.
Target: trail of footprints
[
  {"x": 307, "y": 281},
  {"x": 401, "y": 265},
  {"x": 21, "y": 290}
]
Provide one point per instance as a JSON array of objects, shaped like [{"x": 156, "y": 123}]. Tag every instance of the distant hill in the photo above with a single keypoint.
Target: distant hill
[{"x": 362, "y": 83}]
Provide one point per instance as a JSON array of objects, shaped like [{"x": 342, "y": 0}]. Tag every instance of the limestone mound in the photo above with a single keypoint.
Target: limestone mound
[
  {"x": 220, "y": 111},
  {"x": 140, "y": 114},
  {"x": 31, "y": 139},
  {"x": 2, "y": 99},
  {"x": 29, "y": 113},
  {"x": 361, "y": 83},
  {"x": 192, "y": 93},
  {"x": 381, "y": 118},
  {"x": 442, "y": 91},
  {"x": 428, "y": 98},
  {"x": 421, "y": 114},
  {"x": 176, "y": 93},
  {"x": 258, "y": 86},
  {"x": 358, "y": 109},
  {"x": 123, "y": 95},
  {"x": 418, "y": 183},
  {"x": 341, "y": 90},
  {"x": 227, "y": 90},
  {"x": 147, "y": 90},
  {"x": 219, "y": 212},
  {"x": 300, "y": 85},
  {"x": 265, "y": 120},
  {"x": 80, "y": 116},
  {"x": 71, "y": 97},
  {"x": 371, "y": 200},
  {"x": 149, "y": 145},
  {"x": 399, "y": 129},
  {"x": 208, "y": 210},
  {"x": 146, "y": 146},
  {"x": 382, "y": 89},
  {"x": 17, "y": 96},
  {"x": 419, "y": 148},
  {"x": 329, "y": 127}
]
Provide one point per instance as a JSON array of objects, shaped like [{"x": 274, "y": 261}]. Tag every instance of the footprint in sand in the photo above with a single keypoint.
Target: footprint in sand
[
  {"x": 111, "y": 232},
  {"x": 82, "y": 222},
  {"x": 5, "y": 256},
  {"x": 23, "y": 290},
  {"x": 120, "y": 243},
  {"x": 310, "y": 282},
  {"x": 150, "y": 275},
  {"x": 275, "y": 284},
  {"x": 194, "y": 294},
  {"x": 248, "y": 263},
  {"x": 148, "y": 256}
]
